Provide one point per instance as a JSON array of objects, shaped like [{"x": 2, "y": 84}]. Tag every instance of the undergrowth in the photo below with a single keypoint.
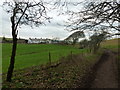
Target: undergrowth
[{"x": 68, "y": 74}]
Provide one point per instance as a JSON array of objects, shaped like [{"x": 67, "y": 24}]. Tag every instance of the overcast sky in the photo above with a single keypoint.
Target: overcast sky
[{"x": 50, "y": 30}]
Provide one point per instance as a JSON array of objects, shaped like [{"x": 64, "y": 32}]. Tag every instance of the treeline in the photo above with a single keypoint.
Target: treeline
[
  {"x": 9, "y": 40},
  {"x": 93, "y": 44}
]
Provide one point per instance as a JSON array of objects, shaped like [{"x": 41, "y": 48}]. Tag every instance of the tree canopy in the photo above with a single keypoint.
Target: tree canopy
[{"x": 74, "y": 37}]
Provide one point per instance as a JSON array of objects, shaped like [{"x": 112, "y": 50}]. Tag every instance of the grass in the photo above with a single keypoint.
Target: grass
[
  {"x": 35, "y": 54},
  {"x": 68, "y": 74}
]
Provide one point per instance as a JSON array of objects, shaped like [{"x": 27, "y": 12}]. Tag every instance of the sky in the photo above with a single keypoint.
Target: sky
[{"x": 50, "y": 30}]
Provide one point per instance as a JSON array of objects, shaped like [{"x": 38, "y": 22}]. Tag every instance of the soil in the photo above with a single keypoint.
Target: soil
[{"x": 105, "y": 75}]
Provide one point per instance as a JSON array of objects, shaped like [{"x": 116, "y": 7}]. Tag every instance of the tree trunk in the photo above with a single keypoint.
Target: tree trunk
[{"x": 12, "y": 60}]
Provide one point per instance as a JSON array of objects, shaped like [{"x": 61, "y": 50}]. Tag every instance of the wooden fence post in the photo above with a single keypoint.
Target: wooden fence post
[
  {"x": 60, "y": 58},
  {"x": 82, "y": 52},
  {"x": 71, "y": 55},
  {"x": 50, "y": 58}
]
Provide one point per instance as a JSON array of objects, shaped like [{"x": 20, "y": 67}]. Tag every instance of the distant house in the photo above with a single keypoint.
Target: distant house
[
  {"x": 39, "y": 40},
  {"x": 55, "y": 41},
  {"x": 44, "y": 41}
]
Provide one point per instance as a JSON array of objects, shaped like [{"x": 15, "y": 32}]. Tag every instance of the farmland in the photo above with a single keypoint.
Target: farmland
[
  {"x": 73, "y": 72},
  {"x": 35, "y": 54},
  {"x": 112, "y": 44}
]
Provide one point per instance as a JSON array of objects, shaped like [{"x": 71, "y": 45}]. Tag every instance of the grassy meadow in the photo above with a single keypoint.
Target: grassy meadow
[{"x": 35, "y": 54}]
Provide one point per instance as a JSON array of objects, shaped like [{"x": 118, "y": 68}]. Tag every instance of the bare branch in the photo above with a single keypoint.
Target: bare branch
[{"x": 96, "y": 14}]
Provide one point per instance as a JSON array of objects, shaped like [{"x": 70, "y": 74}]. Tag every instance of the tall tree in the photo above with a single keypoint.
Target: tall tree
[
  {"x": 83, "y": 43},
  {"x": 74, "y": 37},
  {"x": 23, "y": 12},
  {"x": 96, "y": 39}
]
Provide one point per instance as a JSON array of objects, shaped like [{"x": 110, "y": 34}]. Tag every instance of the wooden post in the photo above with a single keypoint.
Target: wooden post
[
  {"x": 50, "y": 58},
  {"x": 82, "y": 53},
  {"x": 60, "y": 58},
  {"x": 71, "y": 55}
]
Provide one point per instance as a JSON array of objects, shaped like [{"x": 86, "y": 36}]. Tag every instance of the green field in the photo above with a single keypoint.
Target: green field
[
  {"x": 34, "y": 54},
  {"x": 68, "y": 74}
]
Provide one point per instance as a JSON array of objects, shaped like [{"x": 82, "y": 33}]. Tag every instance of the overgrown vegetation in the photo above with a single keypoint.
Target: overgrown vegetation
[
  {"x": 94, "y": 43},
  {"x": 70, "y": 73}
]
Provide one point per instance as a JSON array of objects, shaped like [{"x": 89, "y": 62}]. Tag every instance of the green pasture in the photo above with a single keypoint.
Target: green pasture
[{"x": 35, "y": 54}]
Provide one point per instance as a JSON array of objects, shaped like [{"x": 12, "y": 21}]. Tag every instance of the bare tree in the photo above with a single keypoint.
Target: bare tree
[
  {"x": 96, "y": 39},
  {"x": 96, "y": 14},
  {"x": 83, "y": 43},
  {"x": 74, "y": 37},
  {"x": 23, "y": 13}
]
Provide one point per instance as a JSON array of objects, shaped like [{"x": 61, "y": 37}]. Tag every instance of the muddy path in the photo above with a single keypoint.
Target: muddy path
[{"x": 106, "y": 75}]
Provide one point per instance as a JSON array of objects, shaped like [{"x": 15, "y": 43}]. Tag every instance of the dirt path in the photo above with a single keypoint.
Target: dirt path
[{"x": 106, "y": 73}]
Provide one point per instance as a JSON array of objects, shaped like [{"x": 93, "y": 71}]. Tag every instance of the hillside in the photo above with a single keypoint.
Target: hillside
[{"x": 112, "y": 44}]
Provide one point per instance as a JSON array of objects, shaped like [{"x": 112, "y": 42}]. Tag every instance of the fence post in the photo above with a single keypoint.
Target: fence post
[
  {"x": 50, "y": 58},
  {"x": 60, "y": 58},
  {"x": 82, "y": 52},
  {"x": 71, "y": 55}
]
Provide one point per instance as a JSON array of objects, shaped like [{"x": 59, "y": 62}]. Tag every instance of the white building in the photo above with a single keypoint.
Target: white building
[{"x": 39, "y": 40}]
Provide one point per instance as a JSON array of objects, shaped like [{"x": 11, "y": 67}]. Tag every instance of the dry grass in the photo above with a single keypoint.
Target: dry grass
[{"x": 110, "y": 42}]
